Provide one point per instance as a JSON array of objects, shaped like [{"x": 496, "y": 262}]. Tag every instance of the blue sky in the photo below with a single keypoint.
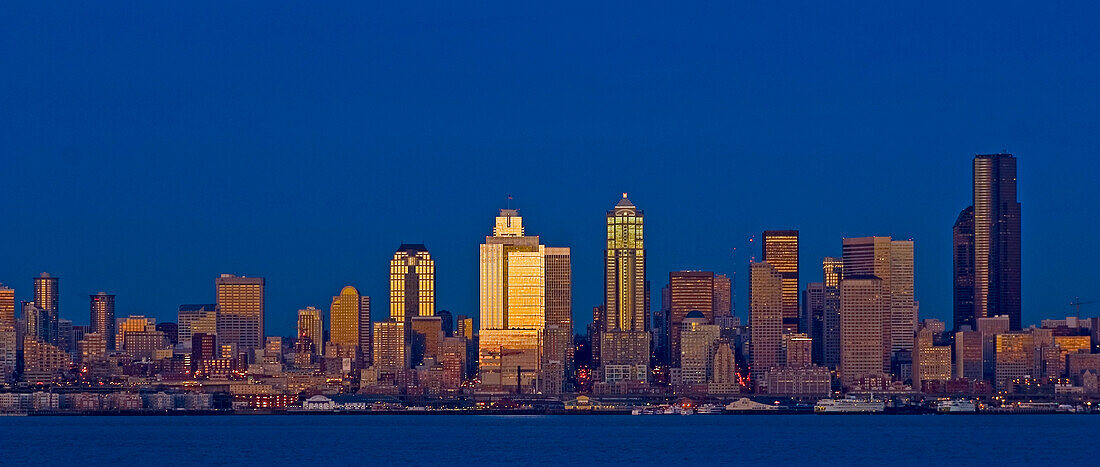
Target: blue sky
[{"x": 149, "y": 147}]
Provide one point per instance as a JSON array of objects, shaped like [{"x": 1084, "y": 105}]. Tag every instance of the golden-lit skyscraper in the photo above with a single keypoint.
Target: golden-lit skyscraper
[
  {"x": 346, "y": 319},
  {"x": 240, "y": 302},
  {"x": 864, "y": 305},
  {"x": 698, "y": 341},
  {"x": 766, "y": 314},
  {"x": 780, "y": 249},
  {"x": 931, "y": 362},
  {"x": 7, "y": 307},
  {"x": 102, "y": 319},
  {"x": 412, "y": 283},
  {"x": 311, "y": 327},
  {"x": 513, "y": 307},
  {"x": 625, "y": 339}
]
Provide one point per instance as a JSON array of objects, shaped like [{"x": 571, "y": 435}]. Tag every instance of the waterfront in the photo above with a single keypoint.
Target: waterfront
[{"x": 528, "y": 440}]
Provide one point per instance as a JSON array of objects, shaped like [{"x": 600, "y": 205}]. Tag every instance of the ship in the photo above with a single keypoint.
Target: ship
[
  {"x": 956, "y": 406},
  {"x": 849, "y": 405}
]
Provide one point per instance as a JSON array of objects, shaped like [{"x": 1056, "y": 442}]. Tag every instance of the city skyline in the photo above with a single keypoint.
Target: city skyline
[{"x": 756, "y": 246}]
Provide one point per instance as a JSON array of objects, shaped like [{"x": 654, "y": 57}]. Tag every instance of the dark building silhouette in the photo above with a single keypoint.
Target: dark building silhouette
[
  {"x": 448, "y": 322},
  {"x": 996, "y": 238},
  {"x": 963, "y": 247}
]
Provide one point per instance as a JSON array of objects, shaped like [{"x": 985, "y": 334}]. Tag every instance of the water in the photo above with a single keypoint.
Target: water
[{"x": 541, "y": 440}]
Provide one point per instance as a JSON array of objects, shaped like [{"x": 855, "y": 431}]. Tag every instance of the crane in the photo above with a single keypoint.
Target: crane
[{"x": 1076, "y": 304}]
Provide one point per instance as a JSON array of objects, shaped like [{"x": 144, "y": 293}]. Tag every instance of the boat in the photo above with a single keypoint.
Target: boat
[
  {"x": 956, "y": 406},
  {"x": 653, "y": 410},
  {"x": 746, "y": 405},
  {"x": 709, "y": 409},
  {"x": 849, "y": 405}
]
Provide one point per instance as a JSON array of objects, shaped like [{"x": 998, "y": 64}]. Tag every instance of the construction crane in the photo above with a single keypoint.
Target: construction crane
[{"x": 1076, "y": 304}]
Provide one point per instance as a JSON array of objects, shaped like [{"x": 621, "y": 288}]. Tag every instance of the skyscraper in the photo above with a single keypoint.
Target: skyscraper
[
  {"x": 345, "y": 321},
  {"x": 240, "y": 302},
  {"x": 366, "y": 332},
  {"x": 625, "y": 339},
  {"x": 780, "y": 248},
  {"x": 864, "y": 305},
  {"x": 832, "y": 271},
  {"x": 311, "y": 329},
  {"x": 723, "y": 295},
  {"x": 412, "y": 283},
  {"x": 962, "y": 235},
  {"x": 892, "y": 262},
  {"x": 102, "y": 319},
  {"x": 766, "y": 314},
  {"x": 558, "y": 348},
  {"x": 996, "y": 238},
  {"x": 687, "y": 291},
  {"x": 813, "y": 315},
  {"x": 7, "y": 307},
  {"x": 46, "y": 298},
  {"x": 513, "y": 306}
]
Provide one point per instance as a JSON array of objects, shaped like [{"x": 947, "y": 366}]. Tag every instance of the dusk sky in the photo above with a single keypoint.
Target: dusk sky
[{"x": 148, "y": 147}]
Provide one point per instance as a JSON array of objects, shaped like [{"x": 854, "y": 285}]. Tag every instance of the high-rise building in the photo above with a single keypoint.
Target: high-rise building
[
  {"x": 931, "y": 362},
  {"x": 102, "y": 318},
  {"x": 813, "y": 315},
  {"x": 766, "y": 314},
  {"x": 132, "y": 323},
  {"x": 797, "y": 350},
  {"x": 687, "y": 291},
  {"x": 892, "y": 262},
  {"x": 990, "y": 327},
  {"x": 996, "y": 238},
  {"x": 7, "y": 307},
  {"x": 346, "y": 317},
  {"x": 780, "y": 248},
  {"x": 513, "y": 307},
  {"x": 864, "y": 304},
  {"x": 390, "y": 349},
  {"x": 968, "y": 355},
  {"x": 196, "y": 318},
  {"x": 311, "y": 328},
  {"x": 624, "y": 342},
  {"x": 698, "y": 343},
  {"x": 426, "y": 335},
  {"x": 464, "y": 327},
  {"x": 240, "y": 302},
  {"x": 46, "y": 299},
  {"x": 412, "y": 283},
  {"x": 832, "y": 271},
  {"x": 366, "y": 332},
  {"x": 962, "y": 235},
  {"x": 558, "y": 346},
  {"x": 723, "y": 295},
  {"x": 447, "y": 321},
  {"x": 1014, "y": 357}
]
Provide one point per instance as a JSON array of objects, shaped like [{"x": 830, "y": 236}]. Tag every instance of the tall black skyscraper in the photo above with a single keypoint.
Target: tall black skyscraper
[
  {"x": 996, "y": 241},
  {"x": 962, "y": 235}
]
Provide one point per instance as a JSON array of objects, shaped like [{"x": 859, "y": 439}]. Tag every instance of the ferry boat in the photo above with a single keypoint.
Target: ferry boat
[
  {"x": 849, "y": 405},
  {"x": 956, "y": 406}
]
